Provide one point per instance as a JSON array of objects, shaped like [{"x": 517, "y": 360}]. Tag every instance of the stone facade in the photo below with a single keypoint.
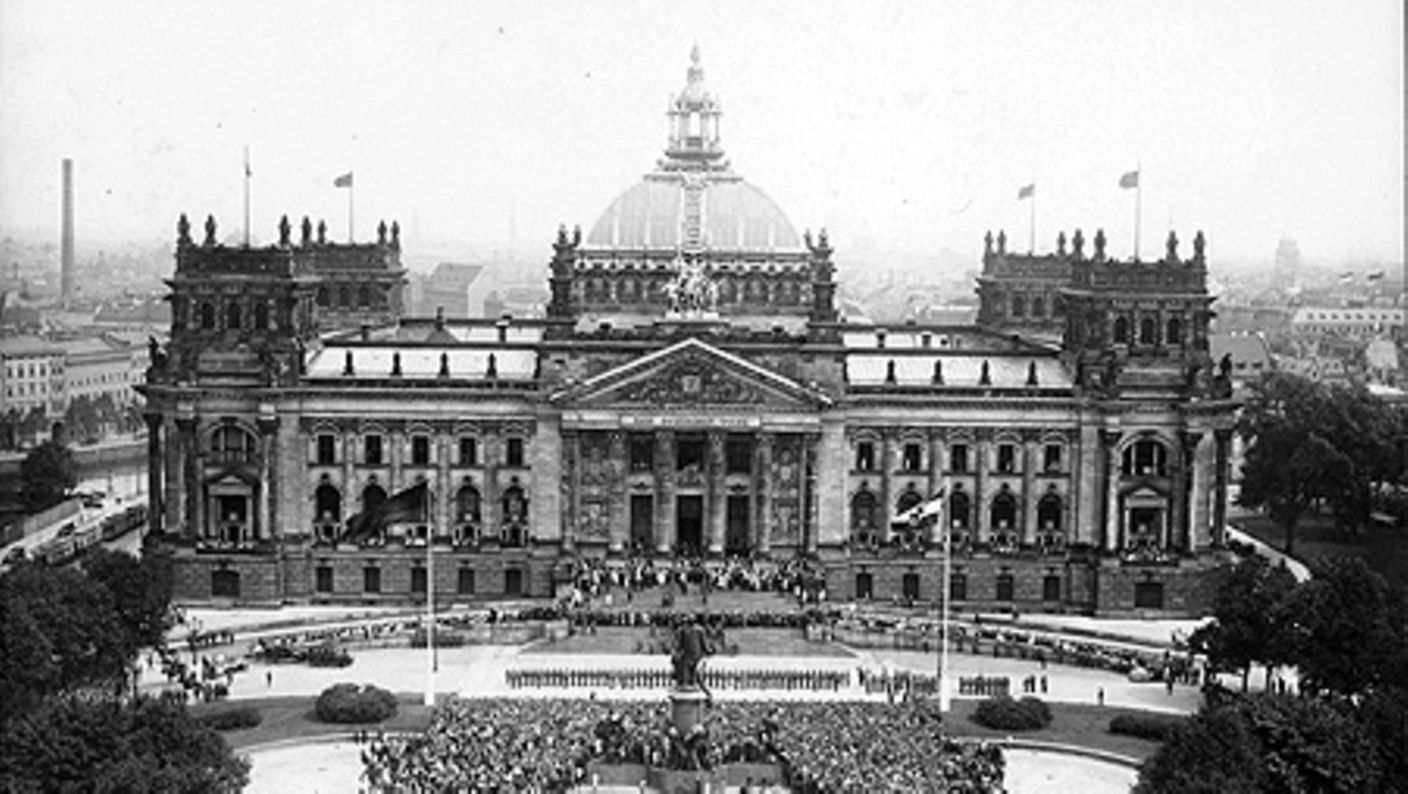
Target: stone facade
[{"x": 697, "y": 397}]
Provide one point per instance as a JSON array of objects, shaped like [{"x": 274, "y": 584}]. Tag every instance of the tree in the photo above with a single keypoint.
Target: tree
[
  {"x": 1349, "y": 628},
  {"x": 58, "y": 630},
  {"x": 1249, "y": 622},
  {"x": 1254, "y": 743},
  {"x": 47, "y": 473},
  {"x": 103, "y": 744},
  {"x": 140, "y": 590},
  {"x": 1364, "y": 429}
]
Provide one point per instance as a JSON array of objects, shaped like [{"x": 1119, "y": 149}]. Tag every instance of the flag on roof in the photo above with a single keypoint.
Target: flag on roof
[
  {"x": 343, "y": 181},
  {"x": 1130, "y": 179},
  {"x": 411, "y": 505},
  {"x": 1026, "y": 192}
]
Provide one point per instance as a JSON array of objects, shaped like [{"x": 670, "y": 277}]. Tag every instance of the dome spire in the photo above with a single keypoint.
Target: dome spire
[{"x": 694, "y": 125}]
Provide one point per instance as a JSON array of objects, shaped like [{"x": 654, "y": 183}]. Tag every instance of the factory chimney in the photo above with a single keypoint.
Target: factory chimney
[{"x": 66, "y": 264}]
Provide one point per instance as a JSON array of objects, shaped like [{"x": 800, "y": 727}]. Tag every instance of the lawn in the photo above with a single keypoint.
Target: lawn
[
  {"x": 292, "y": 717},
  {"x": 1385, "y": 549}
]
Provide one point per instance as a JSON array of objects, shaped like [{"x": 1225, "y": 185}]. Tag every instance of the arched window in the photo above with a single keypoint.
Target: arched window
[
  {"x": 372, "y": 496},
  {"x": 1175, "y": 331},
  {"x": 1146, "y": 458},
  {"x": 324, "y": 296},
  {"x": 207, "y": 315},
  {"x": 515, "y": 505},
  {"x": 232, "y": 444},
  {"x": 865, "y": 586},
  {"x": 233, "y": 318},
  {"x": 344, "y": 297},
  {"x": 467, "y": 504},
  {"x": 364, "y": 297},
  {"x": 960, "y": 510},
  {"x": 327, "y": 504},
  {"x": 1048, "y": 513},
  {"x": 1004, "y": 512},
  {"x": 1038, "y": 308},
  {"x": 1148, "y": 331},
  {"x": 863, "y": 519},
  {"x": 1121, "y": 331},
  {"x": 907, "y": 501},
  {"x": 1019, "y": 306},
  {"x": 261, "y": 316}
]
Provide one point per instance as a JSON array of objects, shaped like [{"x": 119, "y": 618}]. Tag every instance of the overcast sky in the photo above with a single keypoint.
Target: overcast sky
[{"x": 897, "y": 125}]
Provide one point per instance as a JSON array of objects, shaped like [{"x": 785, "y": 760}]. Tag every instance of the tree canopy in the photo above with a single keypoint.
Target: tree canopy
[
  {"x": 1249, "y": 623},
  {"x": 1309, "y": 442},
  {"x": 62, "y": 628},
  {"x": 1350, "y": 630},
  {"x": 47, "y": 473},
  {"x": 104, "y": 744}
]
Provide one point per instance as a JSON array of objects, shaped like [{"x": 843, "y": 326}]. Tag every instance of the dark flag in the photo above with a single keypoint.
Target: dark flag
[{"x": 409, "y": 506}]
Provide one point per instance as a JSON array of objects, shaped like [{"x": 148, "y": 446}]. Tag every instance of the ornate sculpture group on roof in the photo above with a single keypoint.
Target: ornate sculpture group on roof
[
  {"x": 692, "y": 294},
  {"x": 209, "y": 230}
]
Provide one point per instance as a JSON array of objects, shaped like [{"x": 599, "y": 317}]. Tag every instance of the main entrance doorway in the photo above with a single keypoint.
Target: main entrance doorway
[{"x": 689, "y": 527}]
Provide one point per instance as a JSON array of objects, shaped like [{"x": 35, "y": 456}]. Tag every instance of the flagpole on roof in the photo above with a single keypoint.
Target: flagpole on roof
[
  {"x": 1138, "y": 201},
  {"x": 247, "y": 174}
]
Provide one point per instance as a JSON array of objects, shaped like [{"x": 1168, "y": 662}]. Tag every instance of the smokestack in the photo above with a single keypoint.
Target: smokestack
[{"x": 66, "y": 266}]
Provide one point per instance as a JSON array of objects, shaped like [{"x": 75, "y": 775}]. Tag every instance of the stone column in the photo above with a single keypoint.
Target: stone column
[
  {"x": 1030, "y": 452},
  {"x": 1109, "y": 441},
  {"x": 155, "y": 496},
  {"x": 571, "y": 487},
  {"x": 193, "y": 509},
  {"x": 938, "y": 464},
  {"x": 489, "y": 509},
  {"x": 351, "y": 497},
  {"x": 887, "y": 468},
  {"x": 1179, "y": 537},
  {"x": 811, "y": 507},
  {"x": 762, "y": 490},
  {"x": 1219, "y": 504},
  {"x": 982, "y": 532},
  {"x": 268, "y": 425},
  {"x": 665, "y": 491},
  {"x": 1198, "y": 502},
  {"x": 616, "y": 490},
  {"x": 396, "y": 439},
  {"x": 443, "y": 520},
  {"x": 716, "y": 511}
]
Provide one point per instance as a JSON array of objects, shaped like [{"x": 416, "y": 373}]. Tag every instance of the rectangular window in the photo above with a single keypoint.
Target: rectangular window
[
  {"x": 323, "y": 574},
  {"x": 642, "y": 452},
  {"x": 469, "y": 452},
  {"x": 371, "y": 579},
  {"x": 513, "y": 453},
  {"x": 1005, "y": 585},
  {"x": 689, "y": 453},
  {"x": 327, "y": 449},
  {"x": 418, "y": 580},
  {"x": 958, "y": 587},
  {"x": 913, "y": 457},
  {"x": 958, "y": 458},
  {"x": 1006, "y": 458},
  {"x": 420, "y": 450},
  {"x": 738, "y": 455},
  {"x": 371, "y": 451},
  {"x": 1148, "y": 595},
  {"x": 865, "y": 456},
  {"x": 1051, "y": 588},
  {"x": 464, "y": 585},
  {"x": 1051, "y": 461}
]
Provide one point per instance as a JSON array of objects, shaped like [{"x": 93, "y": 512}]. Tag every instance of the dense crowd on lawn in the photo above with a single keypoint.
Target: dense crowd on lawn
[{"x": 552, "y": 745}]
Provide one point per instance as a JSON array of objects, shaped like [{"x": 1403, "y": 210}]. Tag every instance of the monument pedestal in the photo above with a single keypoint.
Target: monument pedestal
[{"x": 687, "y": 708}]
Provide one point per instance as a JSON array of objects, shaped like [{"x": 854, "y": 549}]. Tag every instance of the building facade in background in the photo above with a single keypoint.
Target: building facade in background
[{"x": 691, "y": 391}]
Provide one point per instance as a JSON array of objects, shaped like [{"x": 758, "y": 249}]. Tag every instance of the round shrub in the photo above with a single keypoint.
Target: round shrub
[
  {"x": 232, "y": 719},
  {"x": 1004, "y": 713},
  {"x": 1145, "y": 726},
  {"x": 349, "y": 703}
]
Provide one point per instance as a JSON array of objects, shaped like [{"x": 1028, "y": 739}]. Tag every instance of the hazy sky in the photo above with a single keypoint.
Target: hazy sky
[{"x": 898, "y": 125}]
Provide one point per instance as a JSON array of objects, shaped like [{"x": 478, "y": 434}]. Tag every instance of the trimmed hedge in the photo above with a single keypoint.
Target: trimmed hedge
[
  {"x": 349, "y": 703},
  {"x": 232, "y": 719},
  {"x": 1004, "y": 713},
  {"x": 1145, "y": 726}
]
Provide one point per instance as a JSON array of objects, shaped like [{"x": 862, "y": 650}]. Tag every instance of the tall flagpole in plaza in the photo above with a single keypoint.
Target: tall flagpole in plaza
[
  {"x": 945, "y": 691},
  {"x": 430, "y": 661}
]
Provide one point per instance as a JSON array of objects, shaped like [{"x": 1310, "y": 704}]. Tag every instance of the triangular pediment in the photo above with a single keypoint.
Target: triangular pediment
[{"x": 691, "y": 373}]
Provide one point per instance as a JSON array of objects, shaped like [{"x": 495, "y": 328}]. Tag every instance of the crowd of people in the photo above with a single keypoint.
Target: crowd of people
[
  {"x": 594, "y": 578},
  {"x": 785, "y": 680},
  {"x": 555, "y": 745}
]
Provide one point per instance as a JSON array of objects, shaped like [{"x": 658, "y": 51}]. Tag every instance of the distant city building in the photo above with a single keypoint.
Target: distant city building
[
  {"x": 103, "y": 365},
  {"x": 33, "y": 376},
  {"x": 692, "y": 390},
  {"x": 451, "y": 288},
  {"x": 1248, "y": 354},
  {"x": 1360, "y": 322},
  {"x": 1287, "y": 266}
]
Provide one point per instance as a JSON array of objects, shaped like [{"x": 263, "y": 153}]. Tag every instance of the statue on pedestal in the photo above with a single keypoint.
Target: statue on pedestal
[{"x": 691, "y": 646}]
